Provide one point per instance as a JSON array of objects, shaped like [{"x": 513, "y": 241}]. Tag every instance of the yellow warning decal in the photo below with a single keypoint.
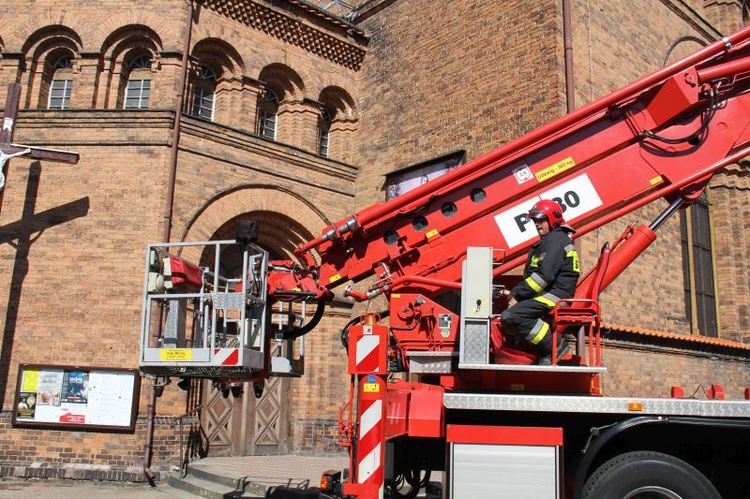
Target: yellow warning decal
[
  {"x": 334, "y": 278},
  {"x": 395, "y": 295},
  {"x": 656, "y": 180},
  {"x": 555, "y": 169},
  {"x": 174, "y": 354},
  {"x": 371, "y": 388},
  {"x": 432, "y": 233}
]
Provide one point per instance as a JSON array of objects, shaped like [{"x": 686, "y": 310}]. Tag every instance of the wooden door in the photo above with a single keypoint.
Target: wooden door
[{"x": 239, "y": 424}]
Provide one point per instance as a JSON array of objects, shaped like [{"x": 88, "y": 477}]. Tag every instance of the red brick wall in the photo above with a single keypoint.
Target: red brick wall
[
  {"x": 639, "y": 369},
  {"x": 610, "y": 51},
  {"x": 445, "y": 76},
  {"x": 76, "y": 298},
  {"x": 437, "y": 77}
]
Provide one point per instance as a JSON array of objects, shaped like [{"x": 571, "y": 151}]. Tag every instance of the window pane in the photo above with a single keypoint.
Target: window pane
[
  {"x": 398, "y": 184},
  {"x": 707, "y": 313},
  {"x": 203, "y": 103},
  {"x": 267, "y": 115},
  {"x": 267, "y": 124},
  {"x": 701, "y": 269},
  {"x": 325, "y": 136},
  {"x": 59, "y": 94},
  {"x": 136, "y": 94},
  {"x": 684, "y": 242}
]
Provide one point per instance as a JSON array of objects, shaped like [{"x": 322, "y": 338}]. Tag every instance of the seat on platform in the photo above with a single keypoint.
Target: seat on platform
[{"x": 584, "y": 312}]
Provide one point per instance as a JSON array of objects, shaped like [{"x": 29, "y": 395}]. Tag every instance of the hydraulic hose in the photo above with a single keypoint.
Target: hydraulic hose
[{"x": 290, "y": 335}]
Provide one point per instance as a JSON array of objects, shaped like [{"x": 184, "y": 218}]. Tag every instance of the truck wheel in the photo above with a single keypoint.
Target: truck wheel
[{"x": 645, "y": 474}]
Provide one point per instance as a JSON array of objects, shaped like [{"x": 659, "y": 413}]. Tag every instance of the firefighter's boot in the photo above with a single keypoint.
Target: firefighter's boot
[{"x": 545, "y": 348}]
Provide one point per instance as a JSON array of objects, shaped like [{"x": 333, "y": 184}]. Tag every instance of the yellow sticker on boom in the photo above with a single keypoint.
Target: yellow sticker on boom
[
  {"x": 174, "y": 354},
  {"x": 371, "y": 388},
  {"x": 656, "y": 180},
  {"x": 555, "y": 169},
  {"x": 432, "y": 233},
  {"x": 334, "y": 278}
]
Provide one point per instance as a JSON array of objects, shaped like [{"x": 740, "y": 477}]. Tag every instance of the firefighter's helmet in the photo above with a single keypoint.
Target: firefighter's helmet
[{"x": 549, "y": 210}]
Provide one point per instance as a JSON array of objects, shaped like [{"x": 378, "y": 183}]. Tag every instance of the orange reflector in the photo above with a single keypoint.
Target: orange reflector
[
  {"x": 635, "y": 406},
  {"x": 329, "y": 480},
  {"x": 325, "y": 482}
]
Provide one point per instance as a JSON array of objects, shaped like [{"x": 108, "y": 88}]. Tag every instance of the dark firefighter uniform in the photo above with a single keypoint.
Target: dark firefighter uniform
[{"x": 551, "y": 273}]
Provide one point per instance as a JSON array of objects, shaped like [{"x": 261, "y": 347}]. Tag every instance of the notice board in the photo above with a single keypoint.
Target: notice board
[{"x": 75, "y": 397}]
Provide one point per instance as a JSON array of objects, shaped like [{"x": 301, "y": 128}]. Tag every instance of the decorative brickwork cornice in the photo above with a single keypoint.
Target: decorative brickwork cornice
[
  {"x": 326, "y": 14},
  {"x": 348, "y": 49},
  {"x": 735, "y": 177},
  {"x": 241, "y": 142}
]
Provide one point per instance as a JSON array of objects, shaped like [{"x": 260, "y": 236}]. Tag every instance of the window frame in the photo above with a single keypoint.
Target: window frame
[
  {"x": 204, "y": 94},
  {"x": 268, "y": 115},
  {"x": 324, "y": 133},
  {"x": 699, "y": 264},
  {"x": 62, "y": 74},
  {"x": 405, "y": 179},
  {"x": 138, "y": 66}
]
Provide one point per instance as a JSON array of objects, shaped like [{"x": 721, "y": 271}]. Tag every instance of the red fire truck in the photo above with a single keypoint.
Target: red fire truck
[{"x": 436, "y": 384}]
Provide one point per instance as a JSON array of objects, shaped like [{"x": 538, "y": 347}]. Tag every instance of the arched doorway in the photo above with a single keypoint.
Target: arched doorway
[
  {"x": 236, "y": 422},
  {"x": 243, "y": 421}
]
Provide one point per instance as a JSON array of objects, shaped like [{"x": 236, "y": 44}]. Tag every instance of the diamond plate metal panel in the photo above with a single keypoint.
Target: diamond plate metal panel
[
  {"x": 475, "y": 347},
  {"x": 174, "y": 324},
  {"x": 430, "y": 362},
  {"x": 228, "y": 300},
  {"x": 600, "y": 405}
]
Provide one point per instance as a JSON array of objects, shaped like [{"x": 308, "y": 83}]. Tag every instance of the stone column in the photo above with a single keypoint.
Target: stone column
[
  {"x": 10, "y": 70},
  {"x": 31, "y": 81},
  {"x": 298, "y": 124},
  {"x": 86, "y": 72},
  {"x": 340, "y": 146}
]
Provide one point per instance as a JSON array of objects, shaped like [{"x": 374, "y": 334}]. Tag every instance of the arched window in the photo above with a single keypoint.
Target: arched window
[
  {"x": 324, "y": 132},
  {"x": 268, "y": 110},
  {"x": 336, "y": 123},
  {"x": 62, "y": 84},
  {"x": 204, "y": 93},
  {"x": 698, "y": 268},
  {"x": 138, "y": 86}
]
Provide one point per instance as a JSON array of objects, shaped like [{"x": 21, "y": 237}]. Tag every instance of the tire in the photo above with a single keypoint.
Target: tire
[{"x": 645, "y": 474}]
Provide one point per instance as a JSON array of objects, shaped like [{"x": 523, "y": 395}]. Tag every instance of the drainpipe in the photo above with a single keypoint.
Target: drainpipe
[
  {"x": 570, "y": 96},
  {"x": 150, "y": 422},
  {"x": 176, "y": 129},
  {"x": 568, "y": 40}
]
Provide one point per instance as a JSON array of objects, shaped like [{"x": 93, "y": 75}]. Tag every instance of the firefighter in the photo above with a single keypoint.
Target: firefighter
[{"x": 551, "y": 273}]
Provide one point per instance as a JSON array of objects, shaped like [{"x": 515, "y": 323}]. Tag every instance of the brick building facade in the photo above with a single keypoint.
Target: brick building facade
[{"x": 294, "y": 116}]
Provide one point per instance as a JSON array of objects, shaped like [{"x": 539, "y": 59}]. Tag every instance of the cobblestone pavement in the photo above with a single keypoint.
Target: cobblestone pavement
[
  {"x": 286, "y": 469},
  {"x": 86, "y": 489}
]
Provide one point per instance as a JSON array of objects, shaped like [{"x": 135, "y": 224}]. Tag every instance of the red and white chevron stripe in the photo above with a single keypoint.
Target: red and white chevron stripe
[
  {"x": 370, "y": 450},
  {"x": 226, "y": 356},
  {"x": 368, "y": 353}
]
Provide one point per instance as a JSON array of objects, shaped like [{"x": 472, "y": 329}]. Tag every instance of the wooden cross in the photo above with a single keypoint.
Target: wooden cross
[
  {"x": 22, "y": 234},
  {"x": 10, "y": 150}
]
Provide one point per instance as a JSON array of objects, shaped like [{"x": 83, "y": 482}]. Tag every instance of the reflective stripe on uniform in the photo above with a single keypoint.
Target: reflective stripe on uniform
[
  {"x": 536, "y": 282},
  {"x": 548, "y": 299},
  {"x": 538, "y": 332},
  {"x": 570, "y": 252}
]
